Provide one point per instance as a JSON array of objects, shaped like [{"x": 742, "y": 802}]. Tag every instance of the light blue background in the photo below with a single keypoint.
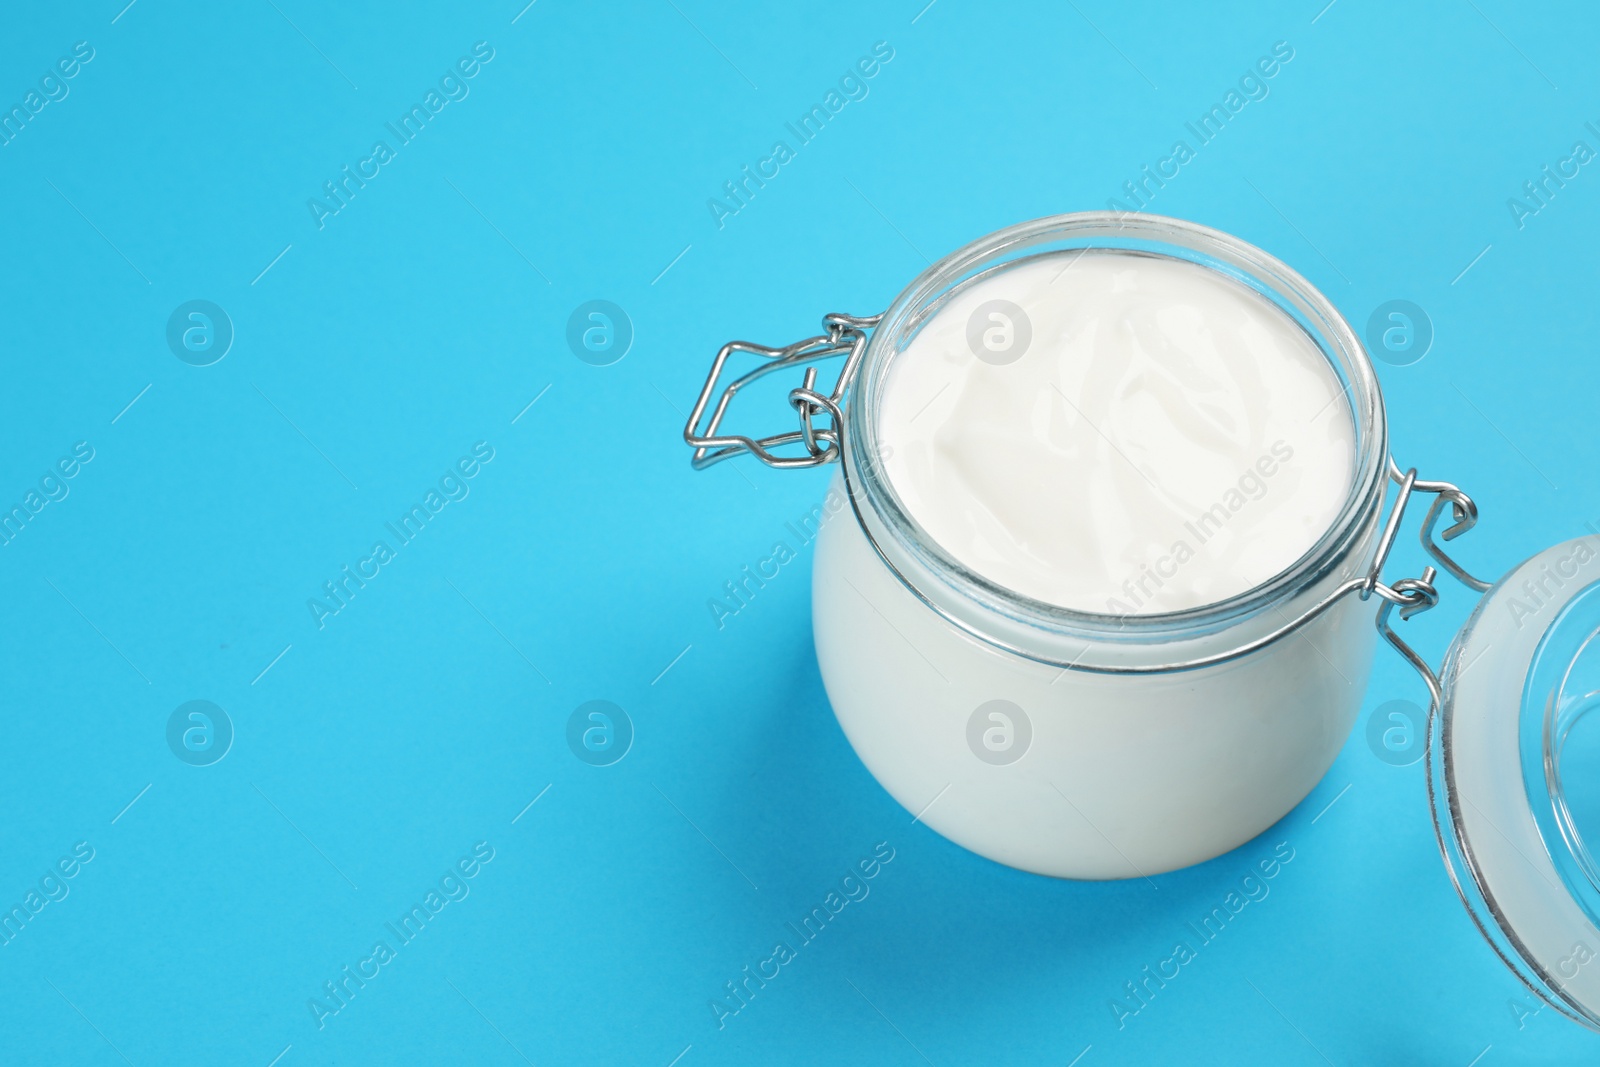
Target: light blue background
[{"x": 426, "y": 715}]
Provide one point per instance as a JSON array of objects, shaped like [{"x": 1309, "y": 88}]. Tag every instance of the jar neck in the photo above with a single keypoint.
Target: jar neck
[{"x": 1069, "y": 637}]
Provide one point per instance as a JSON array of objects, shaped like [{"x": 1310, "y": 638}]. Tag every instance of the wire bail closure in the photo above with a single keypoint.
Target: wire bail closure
[
  {"x": 847, "y": 336},
  {"x": 1416, "y": 595}
]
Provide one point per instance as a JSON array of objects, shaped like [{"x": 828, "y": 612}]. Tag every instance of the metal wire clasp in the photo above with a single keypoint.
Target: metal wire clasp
[
  {"x": 846, "y": 336},
  {"x": 1415, "y": 595}
]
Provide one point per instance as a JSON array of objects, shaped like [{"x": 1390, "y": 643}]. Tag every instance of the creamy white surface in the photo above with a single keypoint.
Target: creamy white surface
[{"x": 1152, "y": 393}]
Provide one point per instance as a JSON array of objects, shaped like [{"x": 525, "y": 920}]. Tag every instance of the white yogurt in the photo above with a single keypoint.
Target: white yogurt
[{"x": 1148, "y": 436}]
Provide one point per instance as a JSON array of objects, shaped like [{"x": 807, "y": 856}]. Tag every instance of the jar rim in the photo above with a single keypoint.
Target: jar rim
[{"x": 1050, "y": 632}]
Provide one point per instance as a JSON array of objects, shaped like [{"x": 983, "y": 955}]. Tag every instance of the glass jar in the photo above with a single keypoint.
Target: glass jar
[
  {"x": 1511, "y": 773},
  {"x": 1086, "y": 745}
]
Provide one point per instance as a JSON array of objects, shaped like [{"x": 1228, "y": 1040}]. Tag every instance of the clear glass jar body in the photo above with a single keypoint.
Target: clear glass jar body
[
  {"x": 1069, "y": 743},
  {"x": 1122, "y": 775}
]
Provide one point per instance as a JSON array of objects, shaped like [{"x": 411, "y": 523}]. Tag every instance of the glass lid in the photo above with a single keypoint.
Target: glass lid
[{"x": 1514, "y": 773}]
